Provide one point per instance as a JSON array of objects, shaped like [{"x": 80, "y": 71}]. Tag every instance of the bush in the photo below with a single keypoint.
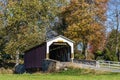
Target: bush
[
  {"x": 6, "y": 71},
  {"x": 79, "y": 55},
  {"x": 110, "y": 55}
]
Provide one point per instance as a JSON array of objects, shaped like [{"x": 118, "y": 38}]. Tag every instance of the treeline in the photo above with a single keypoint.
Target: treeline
[{"x": 25, "y": 24}]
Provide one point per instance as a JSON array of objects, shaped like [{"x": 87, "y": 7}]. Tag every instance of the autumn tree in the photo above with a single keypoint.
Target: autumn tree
[
  {"x": 85, "y": 23},
  {"x": 25, "y": 22}
]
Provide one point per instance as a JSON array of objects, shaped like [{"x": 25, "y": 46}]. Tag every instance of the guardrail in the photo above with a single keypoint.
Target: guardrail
[
  {"x": 86, "y": 62},
  {"x": 108, "y": 64}
]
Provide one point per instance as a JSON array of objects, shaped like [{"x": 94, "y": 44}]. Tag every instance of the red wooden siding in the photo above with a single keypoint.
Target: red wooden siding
[{"x": 34, "y": 57}]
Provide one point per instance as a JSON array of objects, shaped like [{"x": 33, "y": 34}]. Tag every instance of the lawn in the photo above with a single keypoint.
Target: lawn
[{"x": 64, "y": 75}]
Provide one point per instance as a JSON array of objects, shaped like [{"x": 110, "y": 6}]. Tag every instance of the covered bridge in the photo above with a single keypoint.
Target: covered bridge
[{"x": 59, "y": 48}]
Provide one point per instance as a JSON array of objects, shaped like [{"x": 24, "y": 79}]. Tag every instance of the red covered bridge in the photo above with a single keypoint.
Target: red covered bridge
[{"x": 59, "y": 48}]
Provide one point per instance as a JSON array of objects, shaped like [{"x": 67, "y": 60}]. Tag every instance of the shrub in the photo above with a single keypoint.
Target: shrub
[
  {"x": 6, "y": 71},
  {"x": 79, "y": 55}
]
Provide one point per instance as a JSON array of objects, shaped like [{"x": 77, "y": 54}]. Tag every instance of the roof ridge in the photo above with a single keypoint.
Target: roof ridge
[{"x": 60, "y": 36}]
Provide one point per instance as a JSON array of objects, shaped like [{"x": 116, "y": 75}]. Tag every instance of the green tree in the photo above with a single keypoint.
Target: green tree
[
  {"x": 111, "y": 45},
  {"x": 113, "y": 24},
  {"x": 25, "y": 22}
]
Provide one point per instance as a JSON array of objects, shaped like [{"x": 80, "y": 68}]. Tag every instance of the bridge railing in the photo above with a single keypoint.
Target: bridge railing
[
  {"x": 99, "y": 64},
  {"x": 86, "y": 62},
  {"x": 108, "y": 64}
]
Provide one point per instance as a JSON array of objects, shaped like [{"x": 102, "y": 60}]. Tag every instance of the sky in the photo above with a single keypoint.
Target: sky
[{"x": 113, "y": 8}]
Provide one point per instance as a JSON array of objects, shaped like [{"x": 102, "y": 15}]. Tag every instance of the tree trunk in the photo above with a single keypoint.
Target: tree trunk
[
  {"x": 117, "y": 36},
  {"x": 84, "y": 51},
  {"x": 17, "y": 57}
]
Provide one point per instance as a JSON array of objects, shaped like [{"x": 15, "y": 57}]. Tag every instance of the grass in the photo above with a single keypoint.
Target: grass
[{"x": 70, "y": 74}]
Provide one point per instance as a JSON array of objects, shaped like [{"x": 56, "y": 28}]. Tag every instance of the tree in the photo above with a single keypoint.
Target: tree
[
  {"x": 114, "y": 26},
  {"x": 85, "y": 23},
  {"x": 2, "y": 33},
  {"x": 25, "y": 22},
  {"x": 111, "y": 45}
]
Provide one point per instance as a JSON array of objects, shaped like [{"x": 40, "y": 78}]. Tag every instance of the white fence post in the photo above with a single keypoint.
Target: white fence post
[
  {"x": 109, "y": 63},
  {"x": 97, "y": 64}
]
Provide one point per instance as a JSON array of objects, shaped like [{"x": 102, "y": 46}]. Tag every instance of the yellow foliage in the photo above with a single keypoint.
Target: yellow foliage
[{"x": 82, "y": 24}]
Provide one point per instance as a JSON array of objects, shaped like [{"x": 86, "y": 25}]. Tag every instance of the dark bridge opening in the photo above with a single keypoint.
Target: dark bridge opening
[{"x": 60, "y": 51}]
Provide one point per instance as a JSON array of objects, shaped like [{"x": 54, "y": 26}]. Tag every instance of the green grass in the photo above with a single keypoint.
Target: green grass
[{"x": 70, "y": 74}]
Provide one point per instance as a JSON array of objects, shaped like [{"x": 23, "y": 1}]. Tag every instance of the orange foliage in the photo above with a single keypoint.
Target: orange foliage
[{"x": 85, "y": 22}]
